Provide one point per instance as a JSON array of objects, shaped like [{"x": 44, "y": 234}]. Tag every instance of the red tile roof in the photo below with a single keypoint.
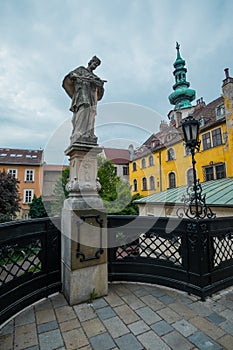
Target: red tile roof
[
  {"x": 117, "y": 155},
  {"x": 21, "y": 156}
]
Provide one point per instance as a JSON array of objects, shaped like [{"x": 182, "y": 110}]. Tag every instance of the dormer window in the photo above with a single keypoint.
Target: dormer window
[{"x": 220, "y": 112}]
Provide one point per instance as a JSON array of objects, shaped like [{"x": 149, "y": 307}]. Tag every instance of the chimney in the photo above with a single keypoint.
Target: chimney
[
  {"x": 163, "y": 125},
  {"x": 226, "y": 70}
]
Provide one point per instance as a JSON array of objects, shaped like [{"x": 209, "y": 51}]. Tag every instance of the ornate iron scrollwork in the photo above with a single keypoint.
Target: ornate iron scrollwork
[{"x": 195, "y": 206}]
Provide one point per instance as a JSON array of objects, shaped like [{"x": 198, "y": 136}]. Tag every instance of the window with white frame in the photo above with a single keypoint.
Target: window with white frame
[
  {"x": 151, "y": 160},
  {"x": 214, "y": 171},
  {"x": 220, "y": 112},
  {"x": 13, "y": 172},
  {"x": 28, "y": 196},
  {"x": 152, "y": 183},
  {"x": 172, "y": 180},
  {"x": 170, "y": 154},
  {"x": 143, "y": 163},
  {"x": 29, "y": 175},
  {"x": 144, "y": 184}
]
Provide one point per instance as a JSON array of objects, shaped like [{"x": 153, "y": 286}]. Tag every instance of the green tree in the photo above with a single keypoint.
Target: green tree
[
  {"x": 37, "y": 209},
  {"x": 115, "y": 192},
  {"x": 9, "y": 197},
  {"x": 60, "y": 192}
]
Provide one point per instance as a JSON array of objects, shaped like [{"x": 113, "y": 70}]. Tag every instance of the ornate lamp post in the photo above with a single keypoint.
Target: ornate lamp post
[{"x": 194, "y": 201}]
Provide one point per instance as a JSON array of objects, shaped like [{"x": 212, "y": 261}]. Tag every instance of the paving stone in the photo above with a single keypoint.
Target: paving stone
[
  {"x": 25, "y": 336},
  {"x": 105, "y": 313},
  {"x": 183, "y": 310},
  {"x": 226, "y": 341},
  {"x": 84, "y": 312},
  {"x": 25, "y": 317},
  {"x": 113, "y": 299},
  {"x": 44, "y": 316},
  {"x": 148, "y": 315},
  {"x": 151, "y": 341},
  {"x": 69, "y": 325},
  {"x": 207, "y": 327},
  {"x": 200, "y": 309},
  {"x": 126, "y": 314},
  {"x": 152, "y": 302},
  {"x": 93, "y": 327},
  {"x": 215, "y": 318},
  {"x": 228, "y": 314},
  {"x": 43, "y": 305},
  {"x": 227, "y": 303},
  {"x": 59, "y": 300},
  {"x": 166, "y": 299},
  {"x": 176, "y": 341},
  {"x": 65, "y": 313},
  {"x": 99, "y": 303},
  {"x": 51, "y": 340},
  {"x": 121, "y": 290},
  {"x": 203, "y": 342},
  {"x": 8, "y": 328},
  {"x": 155, "y": 291},
  {"x": 133, "y": 301},
  {"x": 227, "y": 326},
  {"x": 6, "y": 342},
  {"x": 141, "y": 292},
  {"x": 128, "y": 341},
  {"x": 45, "y": 327},
  {"x": 75, "y": 339},
  {"x": 161, "y": 327},
  {"x": 184, "y": 327},
  {"x": 116, "y": 327},
  {"x": 138, "y": 327},
  {"x": 102, "y": 341},
  {"x": 184, "y": 299},
  {"x": 169, "y": 315},
  {"x": 36, "y": 347},
  {"x": 133, "y": 286}
]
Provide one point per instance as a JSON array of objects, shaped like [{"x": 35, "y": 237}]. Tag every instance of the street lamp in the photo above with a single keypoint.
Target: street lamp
[{"x": 194, "y": 201}]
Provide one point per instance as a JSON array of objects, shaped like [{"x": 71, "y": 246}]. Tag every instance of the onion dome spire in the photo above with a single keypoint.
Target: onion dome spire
[{"x": 182, "y": 95}]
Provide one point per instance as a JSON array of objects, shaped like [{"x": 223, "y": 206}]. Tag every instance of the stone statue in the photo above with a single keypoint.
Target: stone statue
[{"x": 85, "y": 88}]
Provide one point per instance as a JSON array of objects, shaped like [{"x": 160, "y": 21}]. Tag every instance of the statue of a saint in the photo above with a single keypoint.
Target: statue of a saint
[{"x": 85, "y": 88}]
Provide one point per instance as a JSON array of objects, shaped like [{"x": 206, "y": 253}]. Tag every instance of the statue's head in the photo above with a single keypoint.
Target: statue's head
[{"x": 94, "y": 62}]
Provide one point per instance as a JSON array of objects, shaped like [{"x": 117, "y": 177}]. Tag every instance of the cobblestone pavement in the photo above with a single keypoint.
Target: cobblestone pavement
[{"x": 132, "y": 316}]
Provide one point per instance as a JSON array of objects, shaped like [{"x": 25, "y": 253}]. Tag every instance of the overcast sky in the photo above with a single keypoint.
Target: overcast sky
[{"x": 41, "y": 41}]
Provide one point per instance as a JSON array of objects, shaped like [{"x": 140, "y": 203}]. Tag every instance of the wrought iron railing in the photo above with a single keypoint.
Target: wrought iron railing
[
  {"x": 190, "y": 255},
  {"x": 30, "y": 260}
]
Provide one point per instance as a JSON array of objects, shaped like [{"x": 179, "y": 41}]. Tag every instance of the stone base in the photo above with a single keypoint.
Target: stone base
[{"x": 79, "y": 284}]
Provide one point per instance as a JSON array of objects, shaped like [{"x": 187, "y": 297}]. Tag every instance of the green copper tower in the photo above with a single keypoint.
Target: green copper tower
[{"x": 182, "y": 95}]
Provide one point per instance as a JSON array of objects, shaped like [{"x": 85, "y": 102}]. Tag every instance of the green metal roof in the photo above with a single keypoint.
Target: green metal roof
[{"x": 218, "y": 192}]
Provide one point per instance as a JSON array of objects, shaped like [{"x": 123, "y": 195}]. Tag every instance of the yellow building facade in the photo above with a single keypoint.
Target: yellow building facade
[
  {"x": 26, "y": 166},
  {"x": 162, "y": 162}
]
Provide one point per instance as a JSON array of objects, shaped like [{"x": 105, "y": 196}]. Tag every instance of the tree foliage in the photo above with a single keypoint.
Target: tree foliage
[
  {"x": 37, "y": 209},
  {"x": 9, "y": 197},
  {"x": 115, "y": 192},
  {"x": 60, "y": 192}
]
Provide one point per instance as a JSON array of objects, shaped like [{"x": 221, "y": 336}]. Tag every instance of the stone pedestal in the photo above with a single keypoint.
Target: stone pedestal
[{"x": 84, "y": 233}]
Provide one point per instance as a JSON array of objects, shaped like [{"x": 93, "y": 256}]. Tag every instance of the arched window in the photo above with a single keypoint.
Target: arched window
[
  {"x": 143, "y": 163},
  {"x": 170, "y": 154},
  {"x": 134, "y": 166},
  {"x": 144, "y": 184},
  {"x": 190, "y": 177},
  {"x": 151, "y": 160},
  {"x": 152, "y": 183},
  {"x": 172, "y": 180},
  {"x": 135, "y": 185}
]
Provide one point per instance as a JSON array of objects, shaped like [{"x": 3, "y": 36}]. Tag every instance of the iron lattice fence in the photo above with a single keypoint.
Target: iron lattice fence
[
  {"x": 191, "y": 255},
  {"x": 30, "y": 263}
]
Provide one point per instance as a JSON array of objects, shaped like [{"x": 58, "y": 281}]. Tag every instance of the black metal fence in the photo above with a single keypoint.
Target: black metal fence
[
  {"x": 195, "y": 256},
  {"x": 30, "y": 263}
]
